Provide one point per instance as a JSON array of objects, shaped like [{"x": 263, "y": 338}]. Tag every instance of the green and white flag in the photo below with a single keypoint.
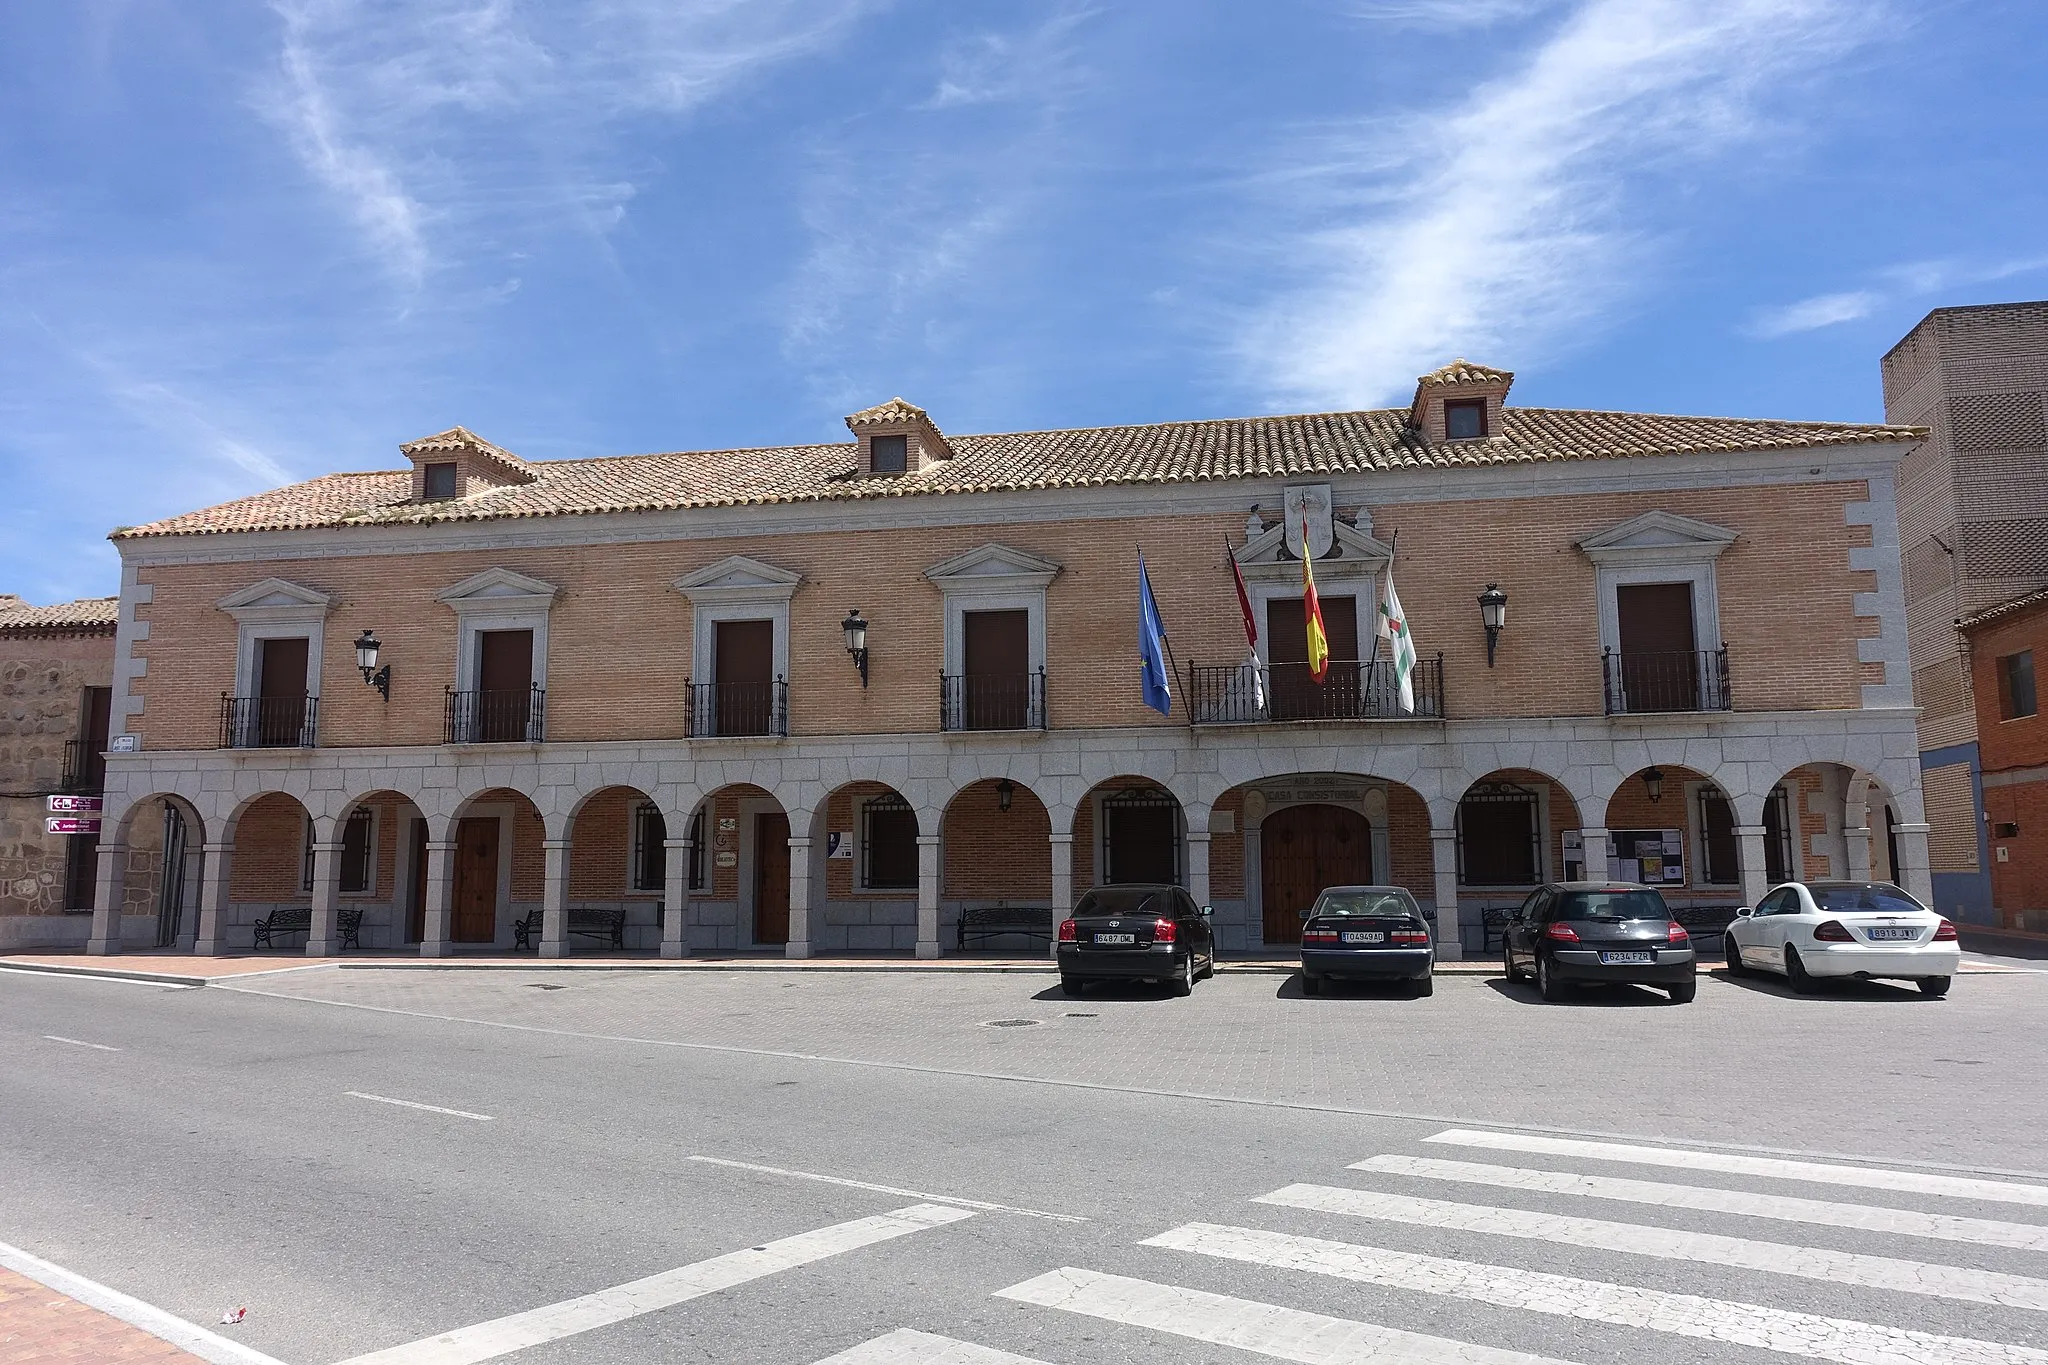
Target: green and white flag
[{"x": 1393, "y": 624}]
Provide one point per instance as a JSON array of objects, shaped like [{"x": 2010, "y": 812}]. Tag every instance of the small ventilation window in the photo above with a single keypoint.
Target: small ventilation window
[
  {"x": 440, "y": 482},
  {"x": 889, "y": 454},
  {"x": 1465, "y": 419}
]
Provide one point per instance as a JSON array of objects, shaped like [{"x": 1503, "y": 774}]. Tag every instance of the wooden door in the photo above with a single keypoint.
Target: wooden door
[
  {"x": 1303, "y": 849},
  {"x": 476, "y": 881},
  {"x": 771, "y": 879},
  {"x": 416, "y": 907},
  {"x": 744, "y": 659},
  {"x": 504, "y": 684},
  {"x": 1659, "y": 668},
  {"x": 1295, "y": 694},
  {"x": 996, "y": 659},
  {"x": 280, "y": 690}
]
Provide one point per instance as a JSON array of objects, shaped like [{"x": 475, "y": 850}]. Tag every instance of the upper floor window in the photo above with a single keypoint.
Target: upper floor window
[
  {"x": 890, "y": 454},
  {"x": 2016, "y": 685},
  {"x": 1464, "y": 418},
  {"x": 439, "y": 481}
]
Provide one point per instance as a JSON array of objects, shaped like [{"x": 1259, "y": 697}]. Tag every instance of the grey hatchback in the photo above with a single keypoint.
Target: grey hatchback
[{"x": 1598, "y": 933}]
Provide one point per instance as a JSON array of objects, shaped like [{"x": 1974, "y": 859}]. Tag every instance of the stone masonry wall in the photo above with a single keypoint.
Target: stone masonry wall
[{"x": 42, "y": 685}]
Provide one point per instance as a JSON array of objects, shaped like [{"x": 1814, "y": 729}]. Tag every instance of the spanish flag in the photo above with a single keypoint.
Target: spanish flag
[{"x": 1312, "y": 611}]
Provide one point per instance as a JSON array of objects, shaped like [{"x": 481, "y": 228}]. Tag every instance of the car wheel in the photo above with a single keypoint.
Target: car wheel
[
  {"x": 1208, "y": 967},
  {"x": 1070, "y": 985},
  {"x": 1507, "y": 963},
  {"x": 1936, "y": 986},
  {"x": 1734, "y": 956},
  {"x": 1183, "y": 981},
  {"x": 1547, "y": 984},
  {"x": 1796, "y": 975},
  {"x": 1683, "y": 993},
  {"x": 1311, "y": 985},
  {"x": 1424, "y": 985}
]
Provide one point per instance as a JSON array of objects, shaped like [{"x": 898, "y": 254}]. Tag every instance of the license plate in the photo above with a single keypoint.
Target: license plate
[
  {"x": 1125, "y": 939},
  {"x": 1360, "y": 936},
  {"x": 1891, "y": 935},
  {"x": 1628, "y": 959}
]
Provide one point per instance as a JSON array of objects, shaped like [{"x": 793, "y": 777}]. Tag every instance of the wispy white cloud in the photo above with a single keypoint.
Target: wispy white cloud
[
  {"x": 1513, "y": 219},
  {"x": 1903, "y": 282},
  {"x": 1449, "y": 13},
  {"x": 1822, "y": 310}
]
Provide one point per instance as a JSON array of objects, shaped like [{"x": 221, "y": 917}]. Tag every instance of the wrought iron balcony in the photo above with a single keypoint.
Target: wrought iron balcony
[
  {"x": 269, "y": 722},
  {"x": 85, "y": 767},
  {"x": 716, "y": 710},
  {"x": 1349, "y": 691},
  {"x": 496, "y": 717},
  {"x": 992, "y": 701},
  {"x": 1680, "y": 680}
]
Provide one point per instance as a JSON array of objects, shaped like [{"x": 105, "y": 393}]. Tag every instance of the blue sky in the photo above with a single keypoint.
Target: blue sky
[{"x": 242, "y": 244}]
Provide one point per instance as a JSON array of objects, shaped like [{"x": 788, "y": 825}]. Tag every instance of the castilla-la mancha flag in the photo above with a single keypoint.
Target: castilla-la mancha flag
[{"x": 1312, "y": 610}]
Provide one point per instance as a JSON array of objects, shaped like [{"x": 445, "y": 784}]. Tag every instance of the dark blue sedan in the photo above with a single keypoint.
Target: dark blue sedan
[{"x": 1369, "y": 933}]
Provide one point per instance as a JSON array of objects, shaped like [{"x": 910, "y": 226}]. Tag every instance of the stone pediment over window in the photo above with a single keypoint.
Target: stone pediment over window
[
  {"x": 274, "y": 599},
  {"x": 1353, "y": 554},
  {"x": 738, "y": 578},
  {"x": 499, "y": 587},
  {"x": 993, "y": 566},
  {"x": 1658, "y": 537}
]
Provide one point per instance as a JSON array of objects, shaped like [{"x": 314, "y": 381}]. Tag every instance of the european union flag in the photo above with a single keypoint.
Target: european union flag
[{"x": 1155, "y": 678}]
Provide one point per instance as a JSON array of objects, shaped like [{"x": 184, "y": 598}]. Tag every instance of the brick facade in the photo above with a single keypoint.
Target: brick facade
[{"x": 2014, "y": 757}]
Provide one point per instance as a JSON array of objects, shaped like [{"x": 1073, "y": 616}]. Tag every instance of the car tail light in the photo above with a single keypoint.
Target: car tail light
[
  {"x": 1676, "y": 933},
  {"x": 1561, "y": 933},
  {"x": 1069, "y": 932},
  {"x": 1162, "y": 931},
  {"x": 1319, "y": 936},
  {"x": 1945, "y": 932},
  {"x": 1832, "y": 931},
  {"x": 1412, "y": 936}
]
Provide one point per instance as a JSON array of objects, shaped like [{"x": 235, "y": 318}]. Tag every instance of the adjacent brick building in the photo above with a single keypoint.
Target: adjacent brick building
[
  {"x": 2001, "y": 646},
  {"x": 628, "y": 687},
  {"x": 56, "y": 676},
  {"x": 1973, "y": 526}
]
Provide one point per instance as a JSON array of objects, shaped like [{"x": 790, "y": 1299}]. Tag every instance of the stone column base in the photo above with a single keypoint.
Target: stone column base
[
  {"x": 103, "y": 947},
  {"x": 437, "y": 950},
  {"x": 928, "y": 950},
  {"x": 796, "y": 950},
  {"x": 207, "y": 947},
  {"x": 323, "y": 947},
  {"x": 554, "y": 950},
  {"x": 674, "y": 951}
]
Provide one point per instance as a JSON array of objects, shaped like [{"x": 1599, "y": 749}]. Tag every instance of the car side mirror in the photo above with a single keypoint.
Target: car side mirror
[
  {"x": 1207, "y": 911},
  {"x": 1744, "y": 913}
]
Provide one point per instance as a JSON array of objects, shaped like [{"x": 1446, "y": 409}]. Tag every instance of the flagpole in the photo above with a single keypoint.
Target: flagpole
[{"x": 1372, "y": 660}]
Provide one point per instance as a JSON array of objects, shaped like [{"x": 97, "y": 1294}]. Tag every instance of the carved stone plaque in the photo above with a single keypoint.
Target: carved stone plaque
[{"x": 1310, "y": 503}]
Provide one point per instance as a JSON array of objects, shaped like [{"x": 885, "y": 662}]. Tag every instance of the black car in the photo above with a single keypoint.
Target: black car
[
  {"x": 1137, "y": 933},
  {"x": 1374, "y": 932},
  {"x": 1600, "y": 933}
]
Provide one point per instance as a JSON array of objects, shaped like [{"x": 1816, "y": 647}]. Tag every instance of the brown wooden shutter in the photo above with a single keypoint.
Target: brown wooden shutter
[
  {"x": 282, "y": 672},
  {"x": 1655, "y": 618},
  {"x": 504, "y": 661},
  {"x": 996, "y": 657},
  {"x": 745, "y": 652}
]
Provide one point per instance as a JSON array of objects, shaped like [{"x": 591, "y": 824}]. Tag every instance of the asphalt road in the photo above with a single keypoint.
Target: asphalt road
[{"x": 237, "y": 1146}]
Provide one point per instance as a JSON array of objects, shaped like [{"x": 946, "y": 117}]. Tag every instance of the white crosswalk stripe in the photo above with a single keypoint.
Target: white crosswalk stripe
[
  {"x": 1785, "y": 1208},
  {"x": 1799, "y": 1334},
  {"x": 1261, "y": 1328},
  {"x": 1813, "y": 1263},
  {"x": 906, "y": 1347},
  {"x": 1769, "y": 1168}
]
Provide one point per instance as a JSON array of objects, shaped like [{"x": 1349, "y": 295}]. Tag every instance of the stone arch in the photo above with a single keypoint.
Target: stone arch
[
  {"x": 1147, "y": 815},
  {"x": 1706, "y": 867},
  {"x": 271, "y": 833},
  {"x": 996, "y": 842},
  {"x": 383, "y": 865},
  {"x": 497, "y": 867},
  {"x": 617, "y": 864},
  {"x": 159, "y": 841},
  {"x": 870, "y": 850},
  {"x": 724, "y": 913}
]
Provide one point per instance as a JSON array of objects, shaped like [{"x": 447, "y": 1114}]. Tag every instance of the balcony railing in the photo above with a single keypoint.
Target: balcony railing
[
  {"x": 1678, "y": 680},
  {"x": 992, "y": 701},
  {"x": 1349, "y": 691},
  {"x": 85, "y": 767},
  {"x": 269, "y": 722},
  {"x": 497, "y": 717},
  {"x": 716, "y": 710}
]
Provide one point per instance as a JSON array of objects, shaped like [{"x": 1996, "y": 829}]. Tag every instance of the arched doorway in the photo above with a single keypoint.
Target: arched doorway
[{"x": 1303, "y": 849}]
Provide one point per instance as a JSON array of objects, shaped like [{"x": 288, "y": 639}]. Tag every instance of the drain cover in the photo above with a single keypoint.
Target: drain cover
[
  {"x": 1013, "y": 1023},
  {"x": 1072, "y": 1015},
  {"x": 543, "y": 986}
]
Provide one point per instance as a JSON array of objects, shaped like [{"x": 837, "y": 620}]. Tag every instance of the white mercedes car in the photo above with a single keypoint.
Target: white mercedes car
[{"x": 1813, "y": 931}]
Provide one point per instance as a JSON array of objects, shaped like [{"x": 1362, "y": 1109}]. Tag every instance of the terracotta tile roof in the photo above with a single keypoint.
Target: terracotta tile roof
[
  {"x": 1989, "y": 614},
  {"x": 891, "y": 413},
  {"x": 87, "y": 615},
  {"x": 1462, "y": 371},
  {"x": 1168, "y": 452}
]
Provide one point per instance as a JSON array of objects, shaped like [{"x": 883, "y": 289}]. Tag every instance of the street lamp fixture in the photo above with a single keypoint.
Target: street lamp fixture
[
  {"x": 1493, "y": 614},
  {"x": 857, "y": 642},
  {"x": 1005, "y": 790},
  {"x": 1653, "y": 783},
  {"x": 366, "y": 659}
]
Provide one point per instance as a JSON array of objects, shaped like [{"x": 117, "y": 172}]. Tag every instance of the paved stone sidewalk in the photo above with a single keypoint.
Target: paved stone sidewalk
[{"x": 40, "y": 1325}]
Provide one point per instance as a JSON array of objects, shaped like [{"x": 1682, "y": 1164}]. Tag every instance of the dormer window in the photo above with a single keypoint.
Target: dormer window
[
  {"x": 891, "y": 454},
  {"x": 896, "y": 438},
  {"x": 1464, "y": 419},
  {"x": 438, "y": 482}
]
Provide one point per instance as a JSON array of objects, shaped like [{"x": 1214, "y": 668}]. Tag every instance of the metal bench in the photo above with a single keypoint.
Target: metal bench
[
  {"x": 348, "y": 922},
  {"x": 988, "y": 921},
  {"x": 589, "y": 921},
  {"x": 1493, "y": 924}
]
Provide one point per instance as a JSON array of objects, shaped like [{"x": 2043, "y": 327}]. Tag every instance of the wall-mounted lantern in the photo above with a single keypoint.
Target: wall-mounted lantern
[
  {"x": 1653, "y": 783},
  {"x": 857, "y": 642},
  {"x": 366, "y": 659},
  {"x": 1005, "y": 790},
  {"x": 1493, "y": 614}
]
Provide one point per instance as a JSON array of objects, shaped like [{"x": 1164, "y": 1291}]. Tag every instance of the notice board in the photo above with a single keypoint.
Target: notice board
[{"x": 1652, "y": 856}]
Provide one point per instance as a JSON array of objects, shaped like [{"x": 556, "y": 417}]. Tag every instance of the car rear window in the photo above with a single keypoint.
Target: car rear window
[
  {"x": 1132, "y": 901},
  {"x": 1610, "y": 905},
  {"x": 1877, "y": 897},
  {"x": 1364, "y": 903}
]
